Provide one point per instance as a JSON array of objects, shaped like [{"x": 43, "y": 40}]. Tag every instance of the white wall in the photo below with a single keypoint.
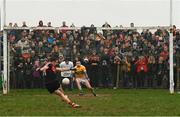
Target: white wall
[{"x": 86, "y": 12}]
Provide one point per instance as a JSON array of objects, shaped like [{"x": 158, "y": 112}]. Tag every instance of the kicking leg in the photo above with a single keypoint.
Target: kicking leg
[{"x": 65, "y": 98}]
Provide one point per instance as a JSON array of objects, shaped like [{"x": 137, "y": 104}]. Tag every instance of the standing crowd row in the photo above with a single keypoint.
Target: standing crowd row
[{"x": 140, "y": 59}]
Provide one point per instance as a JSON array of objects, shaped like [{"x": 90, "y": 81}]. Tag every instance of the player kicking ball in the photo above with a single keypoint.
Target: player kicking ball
[
  {"x": 81, "y": 77},
  {"x": 52, "y": 84}
]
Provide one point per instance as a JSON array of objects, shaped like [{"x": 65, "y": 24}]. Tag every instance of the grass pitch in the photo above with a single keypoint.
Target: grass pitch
[{"x": 109, "y": 102}]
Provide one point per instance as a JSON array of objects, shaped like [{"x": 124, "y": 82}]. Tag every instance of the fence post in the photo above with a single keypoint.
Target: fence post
[
  {"x": 1, "y": 80},
  {"x": 117, "y": 78},
  {"x": 178, "y": 70}
]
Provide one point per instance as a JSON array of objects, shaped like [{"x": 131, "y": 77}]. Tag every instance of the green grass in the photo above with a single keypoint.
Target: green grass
[{"x": 109, "y": 102}]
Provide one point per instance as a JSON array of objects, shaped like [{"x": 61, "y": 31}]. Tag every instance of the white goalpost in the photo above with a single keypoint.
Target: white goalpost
[{"x": 171, "y": 63}]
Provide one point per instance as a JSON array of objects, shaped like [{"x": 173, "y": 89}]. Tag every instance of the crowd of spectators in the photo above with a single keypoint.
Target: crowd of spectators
[{"x": 142, "y": 56}]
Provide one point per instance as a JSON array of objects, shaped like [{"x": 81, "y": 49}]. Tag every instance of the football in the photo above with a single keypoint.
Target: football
[{"x": 65, "y": 81}]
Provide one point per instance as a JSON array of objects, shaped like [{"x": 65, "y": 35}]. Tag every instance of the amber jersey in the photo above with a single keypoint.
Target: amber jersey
[{"x": 80, "y": 71}]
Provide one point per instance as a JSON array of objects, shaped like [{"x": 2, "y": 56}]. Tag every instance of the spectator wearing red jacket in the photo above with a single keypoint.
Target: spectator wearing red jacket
[
  {"x": 142, "y": 69},
  {"x": 165, "y": 53}
]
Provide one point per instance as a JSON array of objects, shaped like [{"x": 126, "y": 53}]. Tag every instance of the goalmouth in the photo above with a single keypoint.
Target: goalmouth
[{"x": 6, "y": 48}]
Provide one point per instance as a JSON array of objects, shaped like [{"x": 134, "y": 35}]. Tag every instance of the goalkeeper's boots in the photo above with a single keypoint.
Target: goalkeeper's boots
[
  {"x": 81, "y": 94},
  {"x": 94, "y": 93}
]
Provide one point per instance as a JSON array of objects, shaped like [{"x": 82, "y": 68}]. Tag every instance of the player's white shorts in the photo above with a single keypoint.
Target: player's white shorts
[{"x": 82, "y": 80}]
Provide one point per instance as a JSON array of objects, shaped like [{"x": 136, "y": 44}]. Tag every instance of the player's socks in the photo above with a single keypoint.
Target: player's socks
[
  {"x": 66, "y": 97},
  {"x": 70, "y": 103},
  {"x": 93, "y": 92}
]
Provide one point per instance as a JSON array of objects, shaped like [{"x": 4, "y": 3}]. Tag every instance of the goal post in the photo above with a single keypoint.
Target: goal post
[
  {"x": 5, "y": 83},
  {"x": 171, "y": 63}
]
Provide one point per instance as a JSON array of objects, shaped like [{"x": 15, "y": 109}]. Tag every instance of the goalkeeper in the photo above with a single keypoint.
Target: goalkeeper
[{"x": 81, "y": 77}]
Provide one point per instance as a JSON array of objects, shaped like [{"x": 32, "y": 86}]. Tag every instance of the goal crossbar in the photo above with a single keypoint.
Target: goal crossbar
[{"x": 78, "y": 28}]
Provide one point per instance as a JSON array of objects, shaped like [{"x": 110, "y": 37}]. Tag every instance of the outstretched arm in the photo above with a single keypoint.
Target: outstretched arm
[
  {"x": 44, "y": 67},
  {"x": 62, "y": 69}
]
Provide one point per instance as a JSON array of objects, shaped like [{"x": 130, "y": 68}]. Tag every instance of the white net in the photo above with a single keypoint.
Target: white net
[
  {"x": 26, "y": 50},
  {"x": 78, "y": 41}
]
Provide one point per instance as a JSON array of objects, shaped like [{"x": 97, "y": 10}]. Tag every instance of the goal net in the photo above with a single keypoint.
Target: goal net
[
  {"x": 131, "y": 51},
  {"x": 145, "y": 48}
]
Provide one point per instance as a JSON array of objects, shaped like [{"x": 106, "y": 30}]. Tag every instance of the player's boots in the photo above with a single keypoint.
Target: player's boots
[
  {"x": 93, "y": 92},
  {"x": 74, "y": 105},
  {"x": 81, "y": 93}
]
